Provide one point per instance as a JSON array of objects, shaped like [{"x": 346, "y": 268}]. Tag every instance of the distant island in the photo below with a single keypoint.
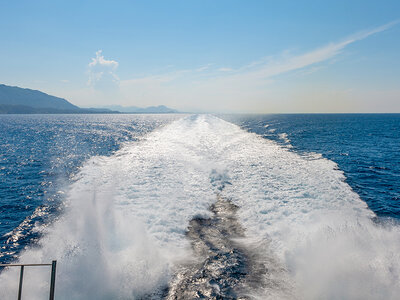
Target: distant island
[
  {"x": 16, "y": 100},
  {"x": 162, "y": 109}
]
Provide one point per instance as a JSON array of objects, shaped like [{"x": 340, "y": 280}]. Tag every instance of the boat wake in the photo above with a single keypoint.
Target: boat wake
[
  {"x": 203, "y": 209},
  {"x": 224, "y": 267}
]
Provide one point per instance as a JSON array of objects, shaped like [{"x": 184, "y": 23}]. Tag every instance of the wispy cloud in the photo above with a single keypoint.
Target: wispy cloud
[
  {"x": 203, "y": 68},
  {"x": 225, "y": 69},
  {"x": 212, "y": 85},
  {"x": 102, "y": 70},
  {"x": 286, "y": 63}
]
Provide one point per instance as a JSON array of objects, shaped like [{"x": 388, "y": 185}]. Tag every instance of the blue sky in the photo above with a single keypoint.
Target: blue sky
[{"x": 226, "y": 56}]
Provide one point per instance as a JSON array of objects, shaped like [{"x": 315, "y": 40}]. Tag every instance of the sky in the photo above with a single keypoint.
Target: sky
[{"x": 207, "y": 56}]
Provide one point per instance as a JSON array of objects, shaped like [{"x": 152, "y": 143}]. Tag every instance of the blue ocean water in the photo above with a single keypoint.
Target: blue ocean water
[
  {"x": 366, "y": 148},
  {"x": 125, "y": 194},
  {"x": 39, "y": 156}
]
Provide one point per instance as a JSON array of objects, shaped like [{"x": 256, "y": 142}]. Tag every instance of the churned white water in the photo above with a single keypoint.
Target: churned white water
[{"x": 123, "y": 229}]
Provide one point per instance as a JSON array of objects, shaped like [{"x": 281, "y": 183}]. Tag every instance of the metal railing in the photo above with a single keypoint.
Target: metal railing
[{"x": 21, "y": 276}]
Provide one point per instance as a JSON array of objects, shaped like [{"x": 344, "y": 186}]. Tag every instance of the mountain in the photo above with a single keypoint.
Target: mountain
[
  {"x": 161, "y": 109},
  {"x": 15, "y": 96},
  {"x": 16, "y": 100}
]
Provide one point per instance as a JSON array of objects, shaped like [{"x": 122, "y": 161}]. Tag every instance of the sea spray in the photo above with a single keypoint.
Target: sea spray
[{"x": 124, "y": 230}]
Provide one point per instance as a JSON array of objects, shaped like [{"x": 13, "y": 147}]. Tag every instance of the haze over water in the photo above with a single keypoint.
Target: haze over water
[{"x": 207, "y": 56}]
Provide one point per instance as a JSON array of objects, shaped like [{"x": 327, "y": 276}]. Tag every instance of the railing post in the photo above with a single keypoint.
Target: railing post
[
  {"x": 21, "y": 278},
  {"x": 53, "y": 279}
]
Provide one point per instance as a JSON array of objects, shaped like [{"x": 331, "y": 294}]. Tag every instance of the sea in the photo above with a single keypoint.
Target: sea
[{"x": 208, "y": 206}]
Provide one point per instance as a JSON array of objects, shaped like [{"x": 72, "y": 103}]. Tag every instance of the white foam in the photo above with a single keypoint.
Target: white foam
[
  {"x": 316, "y": 225},
  {"x": 284, "y": 137},
  {"x": 124, "y": 224}
]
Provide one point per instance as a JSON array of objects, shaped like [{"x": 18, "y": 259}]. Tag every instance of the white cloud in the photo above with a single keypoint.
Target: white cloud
[
  {"x": 286, "y": 63},
  {"x": 225, "y": 69},
  {"x": 102, "y": 72},
  {"x": 204, "y": 68},
  {"x": 253, "y": 87},
  {"x": 100, "y": 60}
]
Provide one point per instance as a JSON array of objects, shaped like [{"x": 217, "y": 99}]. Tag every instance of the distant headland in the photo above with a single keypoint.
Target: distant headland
[{"x": 16, "y": 100}]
